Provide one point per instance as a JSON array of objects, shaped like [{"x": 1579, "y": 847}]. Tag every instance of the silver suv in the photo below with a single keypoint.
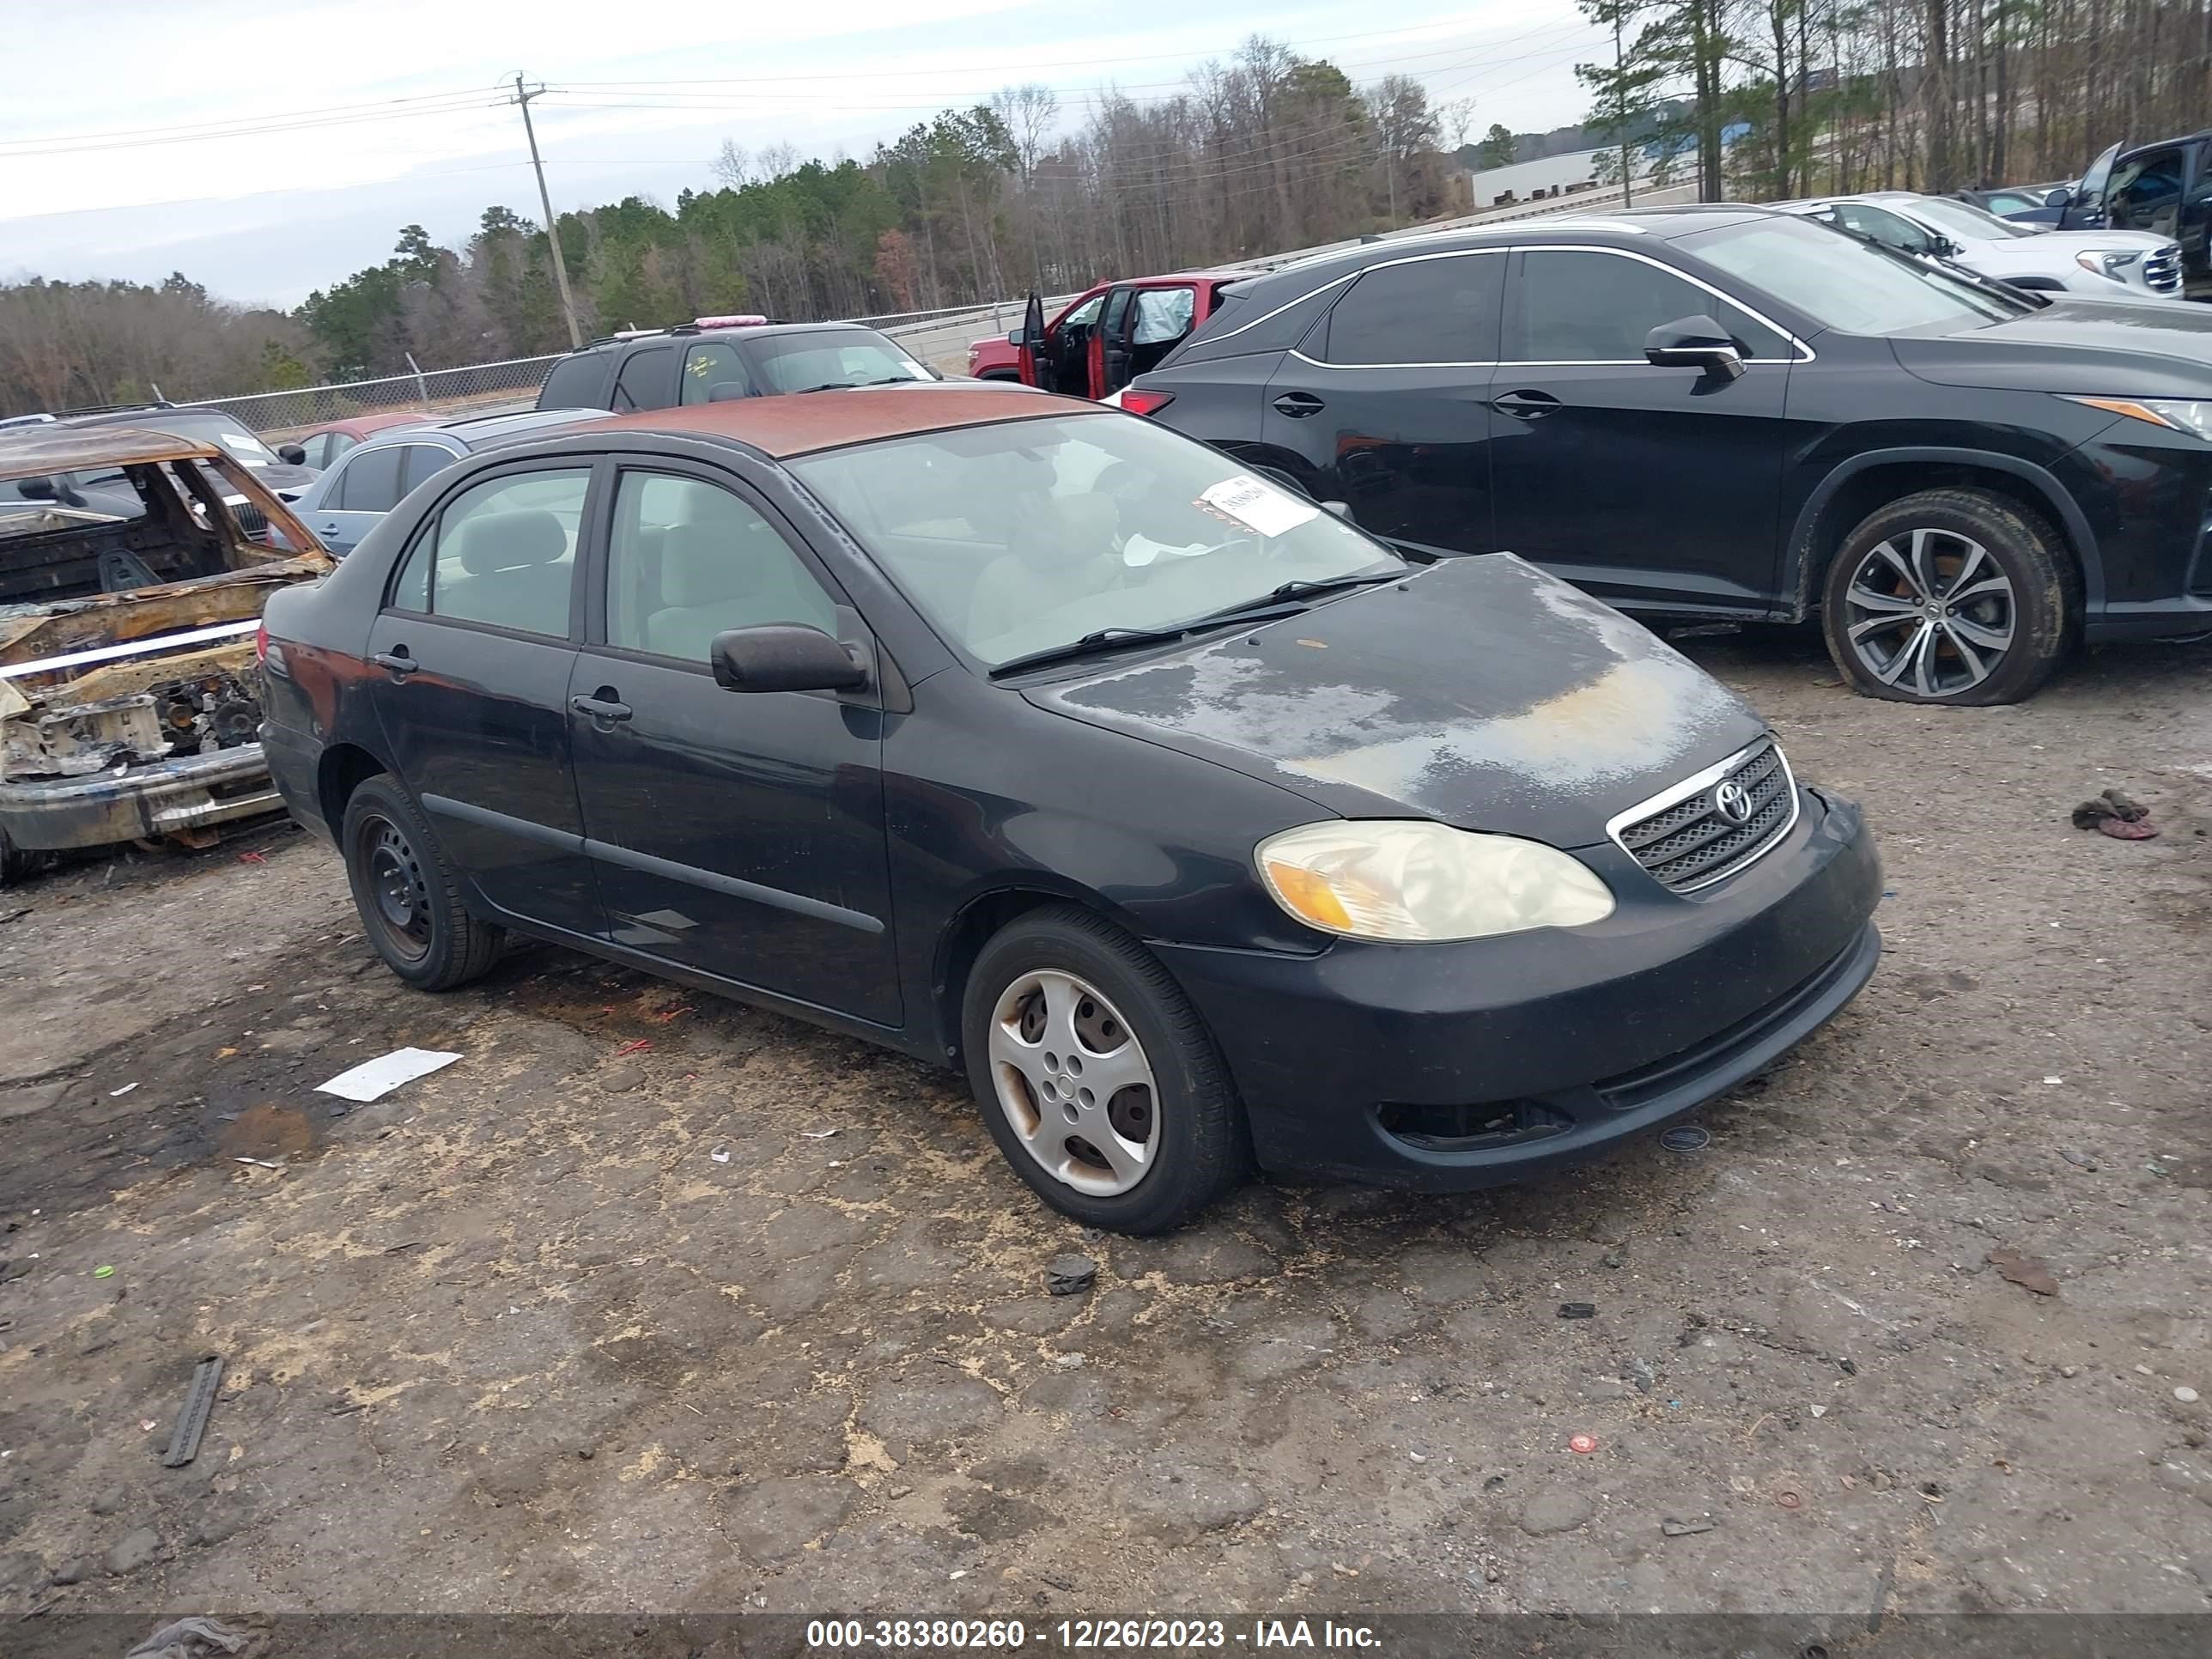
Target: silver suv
[{"x": 2093, "y": 264}]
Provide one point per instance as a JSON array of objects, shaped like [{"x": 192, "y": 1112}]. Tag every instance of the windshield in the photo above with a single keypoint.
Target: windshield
[
  {"x": 1842, "y": 282},
  {"x": 800, "y": 362},
  {"x": 221, "y": 430},
  {"x": 1025, "y": 535},
  {"x": 1963, "y": 219}
]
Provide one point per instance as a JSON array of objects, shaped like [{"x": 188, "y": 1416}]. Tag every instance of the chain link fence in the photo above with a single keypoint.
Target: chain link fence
[{"x": 478, "y": 389}]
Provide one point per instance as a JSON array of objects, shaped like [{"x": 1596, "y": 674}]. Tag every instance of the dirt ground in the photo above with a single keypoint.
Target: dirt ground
[{"x": 519, "y": 1338}]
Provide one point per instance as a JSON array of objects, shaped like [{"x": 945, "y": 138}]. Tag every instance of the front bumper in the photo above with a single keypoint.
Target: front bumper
[
  {"x": 163, "y": 799},
  {"x": 1448, "y": 1067}
]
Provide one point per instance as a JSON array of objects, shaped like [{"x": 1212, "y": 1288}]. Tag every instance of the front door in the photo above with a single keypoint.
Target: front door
[
  {"x": 2085, "y": 204},
  {"x": 1652, "y": 487},
  {"x": 738, "y": 834},
  {"x": 472, "y": 654},
  {"x": 1385, "y": 403}
]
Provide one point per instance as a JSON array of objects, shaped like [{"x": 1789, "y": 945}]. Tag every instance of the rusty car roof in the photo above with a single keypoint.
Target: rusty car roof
[
  {"x": 32, "y": 452},
  {"x": 797, "y": 424}
]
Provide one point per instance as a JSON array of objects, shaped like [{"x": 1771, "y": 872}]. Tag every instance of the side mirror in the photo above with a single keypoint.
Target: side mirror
[
  {"x": 37, "y": 490},
  {"x": 1015, "y": 337},
  {"x": 783, "y": 657},
  {"x": 1340, "y": 509},
  {"x": 292, "y": 454},
  {"x": 2061, "y": 198},
  {"x": 1695, "y": 342},
  {"x": 725, "y": 391}
]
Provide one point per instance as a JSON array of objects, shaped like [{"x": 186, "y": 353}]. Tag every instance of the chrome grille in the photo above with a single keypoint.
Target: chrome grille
[
  {"x": 1684, "y": 839},
  {"x": 2162, "y": 270}
]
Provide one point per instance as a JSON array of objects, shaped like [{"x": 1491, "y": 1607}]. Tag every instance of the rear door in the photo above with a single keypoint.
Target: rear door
[
  {"x": 1384, "y": 404},
  {"x": 738, "y": 834},
  {"x": 1653, "y": 487},
  {"x": 472, "y": 652}
]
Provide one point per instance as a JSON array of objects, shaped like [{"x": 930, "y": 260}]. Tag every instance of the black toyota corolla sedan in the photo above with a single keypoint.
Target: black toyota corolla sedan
[
  {"x": 1731, "y": 412},
  {"x": 1028, "y": 737}
]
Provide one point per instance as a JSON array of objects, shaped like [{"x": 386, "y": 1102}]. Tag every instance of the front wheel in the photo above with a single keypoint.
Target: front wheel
[
  {"x": 408, "y": 895},
  {"x": 1955, "y": 597},
  {"x": 1097, "y": 1077}
]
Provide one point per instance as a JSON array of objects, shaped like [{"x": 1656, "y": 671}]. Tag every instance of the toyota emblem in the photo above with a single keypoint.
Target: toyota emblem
[{"x": 1732, "y": 802}]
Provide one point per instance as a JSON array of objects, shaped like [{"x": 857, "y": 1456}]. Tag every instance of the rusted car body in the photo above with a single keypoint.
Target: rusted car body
[{"x": 130, "y": 688}]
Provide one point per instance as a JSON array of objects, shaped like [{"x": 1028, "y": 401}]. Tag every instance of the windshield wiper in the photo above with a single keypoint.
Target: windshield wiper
[
  {"x": 1105, "y": 639},
  {"x": 1307, "y": 590},
  {"x": 826, "y": 386}
]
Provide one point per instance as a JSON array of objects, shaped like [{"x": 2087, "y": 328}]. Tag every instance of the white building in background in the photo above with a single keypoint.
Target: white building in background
[{"x": 1526, "y": 181}]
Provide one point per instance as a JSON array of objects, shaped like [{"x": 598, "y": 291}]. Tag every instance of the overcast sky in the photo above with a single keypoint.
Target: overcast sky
[{"x": 644, "y": 91}]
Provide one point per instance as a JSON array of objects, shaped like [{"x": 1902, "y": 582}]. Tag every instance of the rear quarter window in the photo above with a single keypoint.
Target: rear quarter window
[{"x": 575, "y": 383}]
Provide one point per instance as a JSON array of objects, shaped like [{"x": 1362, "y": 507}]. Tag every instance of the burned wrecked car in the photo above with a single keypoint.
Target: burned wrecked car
[{"x": 130, "y": 684}]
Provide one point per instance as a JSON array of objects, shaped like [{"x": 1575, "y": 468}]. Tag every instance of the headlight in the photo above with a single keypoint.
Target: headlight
[
  {"x": 1420, "y": 881},
  {"x": 2108, "y": 265},
  {"x": 2180, "y": 414}
]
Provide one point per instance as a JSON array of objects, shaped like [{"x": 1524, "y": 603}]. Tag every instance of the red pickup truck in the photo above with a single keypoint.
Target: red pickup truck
[{"x": 1106, "y": 335}]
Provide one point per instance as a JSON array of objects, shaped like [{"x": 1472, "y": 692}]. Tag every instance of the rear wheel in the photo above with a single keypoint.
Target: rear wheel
[
  {"x": 1096, "y": 1076},
  {"x": 408, "y": 895},
  {"x": 1950, "y": 596},
  {"x": 16, "y": 864}
]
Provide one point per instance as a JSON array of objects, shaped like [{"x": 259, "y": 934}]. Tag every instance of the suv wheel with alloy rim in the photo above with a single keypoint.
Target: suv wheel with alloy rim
[{"x": 1950, "y": 596}]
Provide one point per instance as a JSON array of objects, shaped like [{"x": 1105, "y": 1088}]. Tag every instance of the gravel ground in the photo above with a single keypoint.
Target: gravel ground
[{"x": 519, "y": 1339}]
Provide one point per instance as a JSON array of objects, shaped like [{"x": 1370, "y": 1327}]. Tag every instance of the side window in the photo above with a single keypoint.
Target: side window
[
  {"x": 335, "y": 444},
  {"x": 2147, "y": 192},
  {"x": 1885, "y": 228},
  {"x": 317, "y": 449},
  {"x": 1427, "y": 311},
  {"x": 503, "y": 552},
  {"x": 1085, "y": 314},
  {"x": 371, "y": 482},
  {"x": 421, "y": 461},
  {"x": 1117, "y": 313},
  {"x": 1163, "y": 315},
  {"x": 642, "y": 383},
  {"x": 578, "y": 382},
  {"x": 713, "y": 364},
  {"x": 690, "y": 560},
  {"x": 1591, "y": 307}
]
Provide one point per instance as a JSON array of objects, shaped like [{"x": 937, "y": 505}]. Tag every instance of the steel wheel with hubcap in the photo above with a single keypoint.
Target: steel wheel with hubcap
[
  {"x": 1955, "y": 596},
  {"x": 1074, "y": 1084},
  {"x": 1098, "y": 1079}
]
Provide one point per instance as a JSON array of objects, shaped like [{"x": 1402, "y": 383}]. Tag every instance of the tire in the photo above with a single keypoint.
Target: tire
[
  {"x": 1189, "y": 1142},
  {"x": 2021, "y": 613},
  {"x": 396, "y": 868},
  {"x": 18, "y": 866}
]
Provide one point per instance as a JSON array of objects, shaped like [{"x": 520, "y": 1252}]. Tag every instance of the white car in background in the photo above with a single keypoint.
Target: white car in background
[{"x": 2093, "y": 264}]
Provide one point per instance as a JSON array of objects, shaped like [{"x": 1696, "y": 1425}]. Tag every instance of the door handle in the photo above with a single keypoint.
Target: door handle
[
  {"x": 1526, "y": 405},
  {"x": 600, "y": 709},
  {"x": 1298, "y": 404},
  {"x": 399, "y": 662}
]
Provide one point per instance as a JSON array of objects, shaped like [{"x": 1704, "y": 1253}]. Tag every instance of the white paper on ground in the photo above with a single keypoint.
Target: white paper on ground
[
  {"x": 373, "y": 1079},
  {"x": 1260, "y": 505}
]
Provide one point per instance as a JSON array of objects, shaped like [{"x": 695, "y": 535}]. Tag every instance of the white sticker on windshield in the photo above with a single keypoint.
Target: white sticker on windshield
[{"x": 1257, "y": 506}]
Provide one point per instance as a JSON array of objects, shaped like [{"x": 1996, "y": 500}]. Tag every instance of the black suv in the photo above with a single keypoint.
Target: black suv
[
  {"x": 716, "y": 359},
  {"x": 1722, "y": 412}
]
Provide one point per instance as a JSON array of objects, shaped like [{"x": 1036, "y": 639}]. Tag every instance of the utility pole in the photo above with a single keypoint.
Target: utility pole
[
  {"x": 1621, "y": 112},
  {"x": 522, "y": 96}
]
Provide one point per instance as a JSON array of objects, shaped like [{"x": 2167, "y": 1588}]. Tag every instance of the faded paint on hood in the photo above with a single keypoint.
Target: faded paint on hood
[{"x": 1479, "y": 692}]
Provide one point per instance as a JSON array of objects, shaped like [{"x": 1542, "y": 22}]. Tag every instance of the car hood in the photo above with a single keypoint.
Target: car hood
[
  {"x": 2070, "y": 242},
  {"x": 2086, "y": 347},
  {"x": 1479, "y": 692}
]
